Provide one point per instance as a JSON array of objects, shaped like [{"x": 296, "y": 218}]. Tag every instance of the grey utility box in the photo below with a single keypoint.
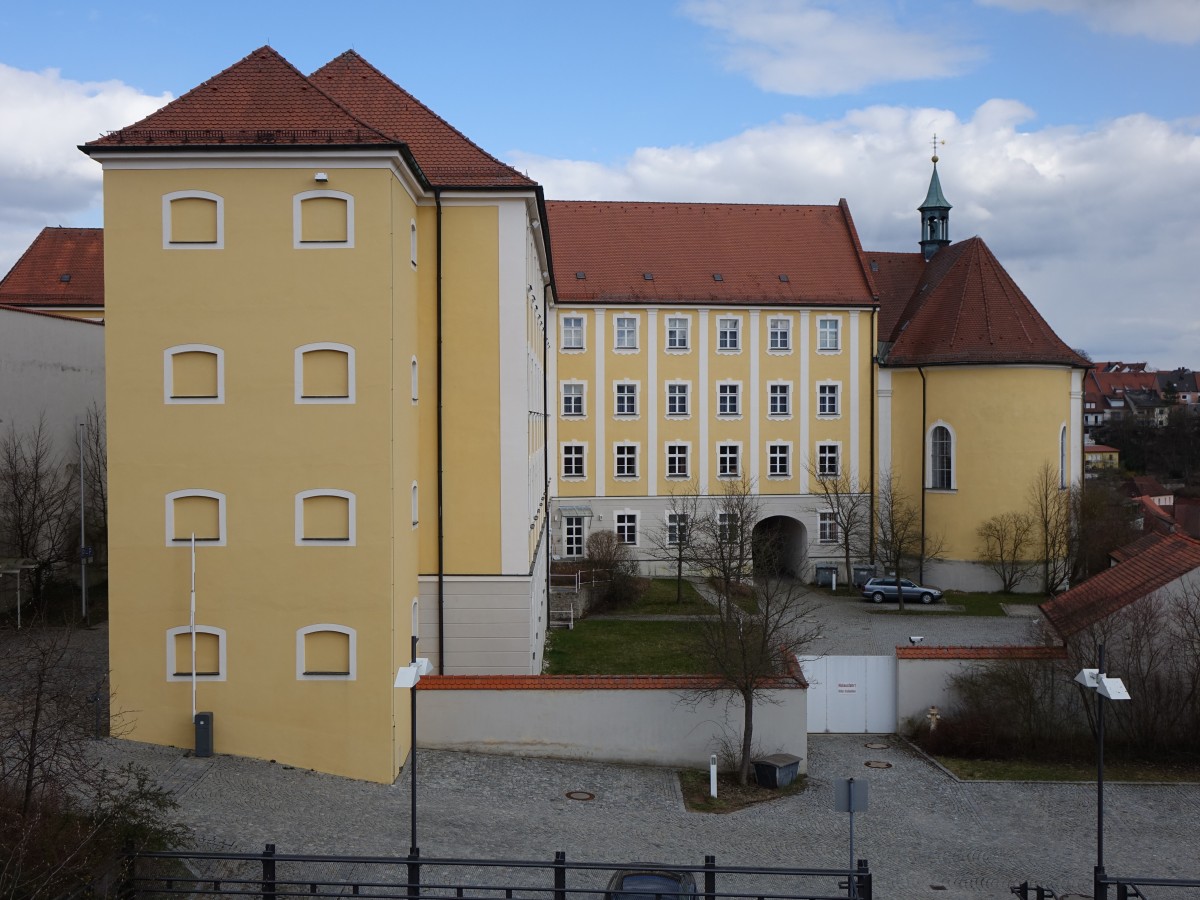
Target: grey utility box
[
  {"x": 204, "y": 734},
  {"x": 777, "y": 770}
]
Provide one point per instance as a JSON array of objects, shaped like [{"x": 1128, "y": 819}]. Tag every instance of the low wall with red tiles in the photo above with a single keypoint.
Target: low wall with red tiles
[
  {"x": 645, "y": 719},
  {"x": 924, "y": 674}
]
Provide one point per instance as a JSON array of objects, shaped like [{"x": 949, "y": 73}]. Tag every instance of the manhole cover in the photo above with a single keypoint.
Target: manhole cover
[
  {"x": 876, "y": 746},
  {"x": 877, "y": 764},
  {"x": 580, "y": 795}
]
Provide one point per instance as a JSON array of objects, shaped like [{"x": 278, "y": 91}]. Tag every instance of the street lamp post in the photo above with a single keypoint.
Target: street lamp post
[
  {"x": 408, "y": 676},
  {"x": 1110, "y": 689}
]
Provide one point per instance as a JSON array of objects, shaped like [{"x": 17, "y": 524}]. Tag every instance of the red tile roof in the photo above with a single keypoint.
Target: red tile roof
[
  {"x": 683, "y": 245},
  {"x": 966, "y": 309},
  {"x": 585, "y": 683},
  {"x": 37, "y": 278},
  {"x": 1159, "y": 563},
  {"x": 896, "y": 275},
  {"x": 996, "y": 652},
  {"x": 261, "y": 99},
  {"x": 447, "y": 158}
]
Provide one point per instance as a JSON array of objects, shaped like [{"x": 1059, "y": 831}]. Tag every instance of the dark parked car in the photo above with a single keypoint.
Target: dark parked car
[
  {"x": 650, "y": 883},
  {"x": 877, "y": 590}
]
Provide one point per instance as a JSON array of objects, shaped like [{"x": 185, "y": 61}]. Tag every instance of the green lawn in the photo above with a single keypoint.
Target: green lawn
[
  {"x": 659, "y": 600},
  {"x": 621, "y": 647},
  {"x": 973, "y": 604}
]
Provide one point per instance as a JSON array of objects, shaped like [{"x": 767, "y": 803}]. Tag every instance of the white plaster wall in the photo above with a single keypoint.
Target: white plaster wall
[
  {"x": 647, "y": 727},
  {"x": 49, "y": 366},
  {"x": 922, "y": 683}
]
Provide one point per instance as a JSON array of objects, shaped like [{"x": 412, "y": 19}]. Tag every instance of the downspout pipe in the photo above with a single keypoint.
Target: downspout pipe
[
  {"x": 924, "y": 464},
  {"x": 546, "y": 434},
  {"x": 441, "y": 528},
  {"x": 872, "y": 482}
]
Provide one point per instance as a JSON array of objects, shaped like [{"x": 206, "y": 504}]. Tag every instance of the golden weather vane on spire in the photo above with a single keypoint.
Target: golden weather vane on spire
[{"x": 935, "y": 146}]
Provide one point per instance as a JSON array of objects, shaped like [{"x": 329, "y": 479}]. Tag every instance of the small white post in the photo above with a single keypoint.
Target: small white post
[
  {"x": 712, "y": 775},
  {"x": 835, "y": 581}
]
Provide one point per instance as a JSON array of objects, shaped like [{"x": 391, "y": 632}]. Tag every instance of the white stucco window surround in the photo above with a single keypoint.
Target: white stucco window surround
[
  {"x": 343, "y": 394},
  {"x": 175, "y": 664},
  {"x": 941, "y": 457},
  {"x": 345, "y": 538},
  {"x": 298, "y": 241},
  {"x": 829, "y": 334},
  {"x": 214, "y": 240},
  {"x": 303, "y": 662},
  {"x": 193, "y": 374},
  {"x": 211, "y": 514}
]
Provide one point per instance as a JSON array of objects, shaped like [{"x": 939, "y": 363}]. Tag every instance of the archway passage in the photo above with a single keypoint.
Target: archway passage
[{"x": 780, "y": 546}]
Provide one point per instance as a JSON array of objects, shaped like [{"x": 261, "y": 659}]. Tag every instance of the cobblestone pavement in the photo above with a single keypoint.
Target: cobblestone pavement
[{"x": 926, "y": 835}]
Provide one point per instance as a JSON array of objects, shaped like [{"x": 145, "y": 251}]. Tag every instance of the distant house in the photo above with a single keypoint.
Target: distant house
[
  {"x": 62, "y": 272},
  {"x": 1100, "y": 456}
]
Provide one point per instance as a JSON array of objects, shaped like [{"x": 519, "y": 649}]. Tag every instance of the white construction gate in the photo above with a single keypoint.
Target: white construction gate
[{"x": 850, "y": 694}]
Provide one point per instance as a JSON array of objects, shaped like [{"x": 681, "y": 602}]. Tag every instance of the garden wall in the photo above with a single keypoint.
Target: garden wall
[{"x": 641, "y": 719}]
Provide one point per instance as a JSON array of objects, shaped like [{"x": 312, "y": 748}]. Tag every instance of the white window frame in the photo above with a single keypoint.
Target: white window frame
[
  {"x": 582, "y": 456},
  {"x": 673, "y": 521},
  {"x": 582, "y": 397},
  {"x": 416, "y": 382},
  {"x": 684, "y": 450},
  {"x": 169, "y": 373},
  {"x": 415, "y": 504},
  {"x": 628, "y": 449},
  {"x": 298, "y": 221},
  {"x": 350, "y": 377},
  {"x": 351, "y": 511},
  {"x": 827, "y": 527},
  {"x": 723, "y": 330},
  {"x": 929, "y": 473},
  {"x": 1062, "y": 458},
  {"x": 173, "y": 660},
  {"x": 562, "y": 333},
  {"x": 619, "y": 335},
  {"x": 686, "y": 393},
  {"x": 773, "y": 393},
  {"x": 779, "y": 325},
  {"x": 823, "y": 332},
  {"x": 352, "y": 636},
  {"x": 168, "y": 244},
  {"x": 773, "y": 453},
  {"x": 566, "y": 524},
  {"x": 412, "y": 242},
  {"x": 725, "y": 450},
  {"x": 836, "y": 387},
  {"x": 170, "y": 517},
  {"x": 727, "y": 526},
  {"x": 823, "y": 448},
  {"x": 617, "y": 394},
  {"x": 620, "y": 514},
  {"x": 686, "y": 347},
  {"x": 725, "y": 393}
]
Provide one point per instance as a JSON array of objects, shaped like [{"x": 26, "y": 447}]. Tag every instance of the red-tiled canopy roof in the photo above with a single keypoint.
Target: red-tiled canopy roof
[
  {"x": 262, "y": 99},
  {"x": 1158, "y": 563},
  {"x": 966, "y": 309},
  {"x": 445, "y": 156},
  {"x": 37, "y": 279},
  {"x": 683, "y": 245}
]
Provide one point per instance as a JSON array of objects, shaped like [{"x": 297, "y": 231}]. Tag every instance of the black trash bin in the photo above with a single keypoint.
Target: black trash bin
[
  {"x": 204, "y": 734},
  {"x": 777, "y": 770}
]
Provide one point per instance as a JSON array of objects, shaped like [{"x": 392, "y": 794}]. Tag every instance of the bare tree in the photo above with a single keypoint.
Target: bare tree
[
  {"x": 900, "y": 539},
  {"x": 850, "y": 514},
  {"x": 1050, "y": 506},
  {"x": 39, "y": 506},
  {"x": 614, "y": 570},
  {"x": 761, "y": 621},
  {"x": 672, "y": 541},
  {"x": 95, "y": 480},
  {"x": 1007, "y": 540}
]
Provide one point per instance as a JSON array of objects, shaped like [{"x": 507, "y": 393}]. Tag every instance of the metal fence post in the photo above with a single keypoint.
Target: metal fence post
[
  {"x": 864, "y": 880},
  {"x": 560, "y": 875},
  {"x": 268, "y": 872},
  {"x": 414, "y": 872},
  {"x": 710, "y": 877}
]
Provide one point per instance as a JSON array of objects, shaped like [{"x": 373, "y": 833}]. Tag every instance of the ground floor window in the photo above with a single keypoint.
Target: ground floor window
[{"x": 573, "y": 536}]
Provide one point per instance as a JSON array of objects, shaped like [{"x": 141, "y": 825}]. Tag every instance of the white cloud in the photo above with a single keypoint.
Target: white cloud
[
  {"x": 1097, "y": 226},
  {"x": 1170, "y": 21},
  {"x": 824, "y": 47},
  {"x": 44, "y": 179}
]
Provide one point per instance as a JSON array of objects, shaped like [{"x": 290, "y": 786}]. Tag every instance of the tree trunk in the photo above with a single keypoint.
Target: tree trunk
[{"x": 747, "y": 736}]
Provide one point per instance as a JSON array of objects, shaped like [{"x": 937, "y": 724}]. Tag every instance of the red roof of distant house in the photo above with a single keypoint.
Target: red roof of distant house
[
  {"x": 990, "y": 652},
  {"x": 966, "y": 309},
  {"x": 1145, "y": 486},
  {"x": 444, "y": 154},
  {"x": 62, "y": 267},
  {"x": 1099, "y": 448},
  {"x": 712, "y": 253},
  {"x": 1159, "y": 562}
]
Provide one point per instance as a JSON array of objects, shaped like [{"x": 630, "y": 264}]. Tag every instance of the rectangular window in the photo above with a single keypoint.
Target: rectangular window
[
  {"x": 677, "y": 526},
  {"x": 626, "y": 400},
  {"x": 572, "y": 461},
  {"x": 195, "y": 374},
  {"x": 572, "y": 332},
  {"x": 827, "y": 460},
  {"x": 572, "y": 399},
  {"x": 779, "y": 460},
  {"x": 573, "y": 536},
  {"x": 779, "y": 399},
  {"x": 728, "y": 399},
  {"x": 677, "y": 399},
  {"x": 208, "y": 654},
  {"x": 729, "y": 334},
  {"x": 779, "y": 334},
  {"x": 326, "y": 653},
  {"x": 627, "y": 528},
  {"x": 729, "y": 460},
  {"x": 827, "y": 399},
  {"x": 626, "y": 333},
  {"x": 727, "y": 526},
  {"x": 626, "y": 460},
  {"x": 827, "y": 334},
  {"x": 326, "y": 518},
  {"x": 194, "y": 220},
  {"x": 677, "y": 460},
  {"x": 324, "y": 220},
  {"x": 828, "y": 528},
  {"x": 677, "y": 333}
]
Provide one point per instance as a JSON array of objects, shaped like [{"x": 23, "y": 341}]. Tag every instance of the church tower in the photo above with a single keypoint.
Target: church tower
[{"x": 935, "y": 217}]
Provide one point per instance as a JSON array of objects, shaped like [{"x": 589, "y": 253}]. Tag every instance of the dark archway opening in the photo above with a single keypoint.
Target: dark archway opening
[{"x": 780, "y": 547}]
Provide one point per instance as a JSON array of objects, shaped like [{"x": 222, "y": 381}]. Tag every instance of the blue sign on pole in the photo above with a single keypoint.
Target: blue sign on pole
[{"x": 86, "y": 553}]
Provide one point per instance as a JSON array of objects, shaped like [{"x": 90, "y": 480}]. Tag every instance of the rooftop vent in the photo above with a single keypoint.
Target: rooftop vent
[
  {"x": 784, "y": 279},
  {"x": 648, "y": 276},
  {"x": 581, "y": 276},
  {"x": 717, "y": 276},
  {"x": 64, "y": 278}
]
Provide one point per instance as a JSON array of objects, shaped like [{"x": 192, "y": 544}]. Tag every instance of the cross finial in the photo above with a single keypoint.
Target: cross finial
[{"x": 935, "y": 143}]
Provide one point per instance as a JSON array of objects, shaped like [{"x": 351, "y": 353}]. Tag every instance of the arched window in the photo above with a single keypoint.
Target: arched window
[
  {"x": 322, "y": 219},
  {"x": 193, "y": 373},
  {"x": 1062, "y": 457},
  {"x": 941, "y": 458},
  {"x": 210, "y": 653},
  {"x": 324, "y": 373},
  {"x": 326, "y": 653},
  {"x": 193, "y": 220},
  {"x": 198, "y": 512},
  {"x": 325, "y": 517}
]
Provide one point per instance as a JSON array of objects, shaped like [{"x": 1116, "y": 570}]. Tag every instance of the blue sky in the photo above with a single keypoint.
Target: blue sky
[{"x": 1072, "y": 127}]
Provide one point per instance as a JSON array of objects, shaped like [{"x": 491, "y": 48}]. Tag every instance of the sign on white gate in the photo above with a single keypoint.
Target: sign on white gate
[{"x": 851, "y": 694}]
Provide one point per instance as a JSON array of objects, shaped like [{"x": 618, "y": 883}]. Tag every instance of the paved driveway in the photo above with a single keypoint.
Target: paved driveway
[{"x": 926, "y": 835}]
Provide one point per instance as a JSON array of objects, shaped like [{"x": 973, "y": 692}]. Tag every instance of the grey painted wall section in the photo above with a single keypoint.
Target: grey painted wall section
[
  {"x": 490, "y": 624},
  {"x": 643, "y": 726}
]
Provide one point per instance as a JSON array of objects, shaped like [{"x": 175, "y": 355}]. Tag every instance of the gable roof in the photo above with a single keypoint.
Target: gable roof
[
  {"x": 682, "y": 246},
  {"x": 260, "y": 100},
  {"x": 444, "y": 154},
  {"x": 966, "y": 309},
  {"x": 37, "y": 278},
  {"x": 1161, "y": 560}
]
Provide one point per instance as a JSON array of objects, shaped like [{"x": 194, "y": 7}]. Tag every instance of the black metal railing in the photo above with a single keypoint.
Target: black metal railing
[{"x": 273, "y": 876}]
